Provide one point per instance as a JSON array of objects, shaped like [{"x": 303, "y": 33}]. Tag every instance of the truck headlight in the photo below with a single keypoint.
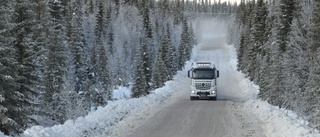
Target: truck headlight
[
  {"x": 192, "y": 92},
  {"x": 213, "y": 92}
]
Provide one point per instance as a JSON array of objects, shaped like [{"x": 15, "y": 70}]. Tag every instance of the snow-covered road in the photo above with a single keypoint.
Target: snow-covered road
[{"x": 180, "y": 117}]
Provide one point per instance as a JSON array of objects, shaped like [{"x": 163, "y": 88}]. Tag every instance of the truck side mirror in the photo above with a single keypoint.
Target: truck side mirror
[{"x": 217, "y": 73}]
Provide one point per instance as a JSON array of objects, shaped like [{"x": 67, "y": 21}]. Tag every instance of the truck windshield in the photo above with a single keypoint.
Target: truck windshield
[{"x": 203, "y": 74}]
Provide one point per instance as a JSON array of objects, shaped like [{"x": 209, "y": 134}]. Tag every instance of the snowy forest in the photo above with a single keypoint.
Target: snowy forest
[
  {"x": 278, "y": 48},
  {"x": 61, "y": 59}
]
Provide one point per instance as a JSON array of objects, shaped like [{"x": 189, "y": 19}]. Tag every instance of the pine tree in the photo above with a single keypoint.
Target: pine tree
[
  {"x": 178, "y": 12},
  {"x": 109, "y": 30},
  {"x": 247, "y": 65},
  {"x": 8, "y": 96},
  {"x": 314, "y": 77},
  {"x": 240, "y": 52},
  {"x": 185, "y": 48},
  {"x": 140, "y": 83},
  {"x": 143, "y": 73},
  {"x": 98, "y": 30},
  {"x": 296, "y": 60},
  {"x": 102, "y": 61},
  {"x": 161, "y": 70},
  {"x": 193, "y": 39},
  {"x": 103, "y": 76},
  {"x": 265, "y": 78},
  {"x": 76, "y": 42},
  {"x": 147, "y": 45},
  {"x": 146, "y": 19},
  {"x": 165, "y": 56},
  {"x": 285, "y": 15},
  {"x": 258, "y": 39},
  {"x": 78, "y": 63},
  {"x": 55, "y": 67},
  {"x": 172, "y": 54},
  {"x": 26, "y": 74},
  {"x": 287, "y": 8}
]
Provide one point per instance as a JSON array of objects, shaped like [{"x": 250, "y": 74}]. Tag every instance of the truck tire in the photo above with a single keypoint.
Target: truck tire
[{"x": 192, "y": 98}]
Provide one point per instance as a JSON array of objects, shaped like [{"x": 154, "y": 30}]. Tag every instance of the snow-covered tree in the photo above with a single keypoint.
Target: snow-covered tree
[
  {"x": 55, "y": 66},
  {"x": 101, "y": 61},
  {"x": 244, "y": 17},
  {"x": 76, "y": 45},
  {"x": 185, "y": 47},
  {"x": 8, "y": 94},
  {"x": 258, "y": 39},
  {"x": 297, "y": 59},
  {"x": 26, "y": 77},
  {"x": 172, "y": 53},
  {"x": 141, "y": 86},
  {"x": 109, "y": 30},
  {"x": 161, "y": 69},
  {"x": 313, "y": 88}
]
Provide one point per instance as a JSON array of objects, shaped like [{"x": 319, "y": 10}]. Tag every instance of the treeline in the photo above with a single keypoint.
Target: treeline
[
  {"x": 61, "y": 59},
  {"x": 278, "y": 49}
]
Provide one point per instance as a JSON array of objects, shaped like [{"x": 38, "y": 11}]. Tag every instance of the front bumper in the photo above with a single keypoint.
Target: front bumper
[{"x": 203, "y": 94}]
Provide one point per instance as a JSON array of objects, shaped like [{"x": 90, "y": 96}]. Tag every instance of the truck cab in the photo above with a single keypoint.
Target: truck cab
[{"x": 203, "y": 77}]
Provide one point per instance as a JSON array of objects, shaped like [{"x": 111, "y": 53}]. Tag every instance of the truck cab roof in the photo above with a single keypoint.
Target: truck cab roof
[{"x": 203, "y": 64}]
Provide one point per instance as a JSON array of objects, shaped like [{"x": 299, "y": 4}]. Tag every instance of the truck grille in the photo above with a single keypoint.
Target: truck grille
[{"x": 203, "y": 86}]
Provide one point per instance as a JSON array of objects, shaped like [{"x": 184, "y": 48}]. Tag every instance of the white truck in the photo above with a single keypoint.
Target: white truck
[{"x": 203, "y": 80}]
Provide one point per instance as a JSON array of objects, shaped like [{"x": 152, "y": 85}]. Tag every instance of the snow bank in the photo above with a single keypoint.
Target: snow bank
[
  {"x": 279, "y": 122},
  {"x": 99, "y": 121},
  {"x": 121, "y": 93},
  {"x": 276, "y": 122},
  {"x": 104, "y": 119}
]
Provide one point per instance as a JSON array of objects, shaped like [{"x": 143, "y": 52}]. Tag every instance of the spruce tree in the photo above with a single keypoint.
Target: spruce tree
[
  {"x": 147, "y": 45},
  {"x": 26, "y": 76},
  {"x": 266, "y": 63},
  {"x": 165, "y": 55},
  {"x": 78, "y": 63},
  {"x": 287, "y": 8},
  {"x": 102, "y": 61},
  {"x": 76, "y": 42},
  {"x": 55, "y": 67},
  {"x": 172, "y": 54},
  {"x": 140, "y": 85},
  {"x": 161, "y": 70},
  {"x": 313, "y": 87},
  {"x": 103, "y": 76},
  {"x": 8, "y": 88},
  {"x": 285, "y": 15},
  {"x": 258, "y": 39},
  {"x": 296, "y": 60},
  {"x": 146, "y": 19},
  {"x": 109, "y": 30},
  {"x": 184, "y": 48}
]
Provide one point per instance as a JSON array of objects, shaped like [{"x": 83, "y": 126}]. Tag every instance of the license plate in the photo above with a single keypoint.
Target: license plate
[{"x": 203, "y": 95}]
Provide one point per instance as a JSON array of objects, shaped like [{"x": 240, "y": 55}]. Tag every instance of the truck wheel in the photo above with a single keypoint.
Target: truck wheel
[{"x": 191, "y": 98}]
